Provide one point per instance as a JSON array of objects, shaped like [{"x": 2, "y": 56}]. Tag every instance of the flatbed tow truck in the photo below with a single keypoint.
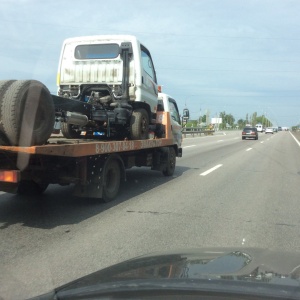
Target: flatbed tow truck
[
  {"x": 95, "y": 167},
  {"x": 109, "y": 110}
]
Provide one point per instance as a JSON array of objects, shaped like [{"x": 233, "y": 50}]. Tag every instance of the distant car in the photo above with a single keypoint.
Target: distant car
[
  {"x": 275, "y": 129},
  {"x": 250, "y": 132},
  {"x": 269, "y": 130}
]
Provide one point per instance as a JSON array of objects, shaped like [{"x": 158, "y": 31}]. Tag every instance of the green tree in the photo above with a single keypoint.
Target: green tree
[
  {"x": 227, "y": 119},
  {"x": 192, "y": 123},
  {"x": 264, "y": 121},
  {"x": 241, "y": 123},
  {"x": 254, "y": 118}
]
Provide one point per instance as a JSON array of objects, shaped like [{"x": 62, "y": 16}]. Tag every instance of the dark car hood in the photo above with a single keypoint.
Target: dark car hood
[{"x": 271, "y": 270}]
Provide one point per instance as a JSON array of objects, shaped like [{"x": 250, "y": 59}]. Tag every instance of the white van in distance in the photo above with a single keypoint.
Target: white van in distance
[{"x": 259, "y": 127}]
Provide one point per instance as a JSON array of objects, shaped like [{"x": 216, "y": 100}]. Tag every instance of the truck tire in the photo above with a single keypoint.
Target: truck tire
[
  {"x": 4, "y": 85},
  {"x": 139, "y": 124},
  {"x": 31, "y": 188},
  {"x": 111, "y": 180},
  {"x": 68, "y": 131},
  {"x": 3, "y": 140},
  {"x": 27, "y": 113},
  {"x": 171, "y": 162}
]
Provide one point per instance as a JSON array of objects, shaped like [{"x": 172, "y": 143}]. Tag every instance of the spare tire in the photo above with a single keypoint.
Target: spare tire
[
  {"x": 4, "y": 84},
  {"x": 27, "y": 113},
  {"x": 3, "y": 140}
]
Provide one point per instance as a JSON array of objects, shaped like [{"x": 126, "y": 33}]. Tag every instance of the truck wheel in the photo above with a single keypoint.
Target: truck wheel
[
  {"x": 3, "y": 140},
  {"x": 4, "y": 84},
  {"x": 31, "y": 188},
  {"x": 139, "y": 124},
  {"x": 171, "y": 162},
  {"x": 111, "y": 180},
  {"x": 27, "y": 113},
  {"x": 68, "y": 131}
]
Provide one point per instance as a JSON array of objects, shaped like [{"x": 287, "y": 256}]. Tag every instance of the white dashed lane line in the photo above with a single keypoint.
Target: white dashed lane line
[
  {"x": 295, "y": 139},
  {"x": 211, "y": 170},
  {"x": 249, "y": 149},
  {"x": 189, "y": 146}
]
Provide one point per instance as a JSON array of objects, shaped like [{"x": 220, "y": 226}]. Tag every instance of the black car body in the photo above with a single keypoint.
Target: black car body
[
  {"x": 216, "y": 273},
  {"x": 250, "y": 132}
]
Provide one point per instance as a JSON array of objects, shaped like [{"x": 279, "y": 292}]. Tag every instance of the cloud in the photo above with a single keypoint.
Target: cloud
[{"x": 246, "y": 49}]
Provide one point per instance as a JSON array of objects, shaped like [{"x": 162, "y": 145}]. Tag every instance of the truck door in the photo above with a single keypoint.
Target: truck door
[
  {"x": 149, "y": 82},
  {"x": 175, "y": 121}
]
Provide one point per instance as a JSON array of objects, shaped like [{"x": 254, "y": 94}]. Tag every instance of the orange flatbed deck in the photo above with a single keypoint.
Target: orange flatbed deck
[
  {"x": 83, "y": 147},
  {"x": 59, "y": 146}
]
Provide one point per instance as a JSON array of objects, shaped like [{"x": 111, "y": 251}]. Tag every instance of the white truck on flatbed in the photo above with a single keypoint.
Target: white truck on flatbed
[
  {"x": 110, "y": 114},
  {"x": 116, "y": 75}
]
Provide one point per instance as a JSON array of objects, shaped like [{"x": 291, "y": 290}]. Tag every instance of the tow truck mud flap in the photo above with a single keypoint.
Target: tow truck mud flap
[{"x": 102, "y": 178}]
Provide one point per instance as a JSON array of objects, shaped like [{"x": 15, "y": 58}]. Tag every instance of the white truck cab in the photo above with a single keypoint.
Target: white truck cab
[
  {"x": 167, "y": 103},
  {"x": 115, "y": 74}
]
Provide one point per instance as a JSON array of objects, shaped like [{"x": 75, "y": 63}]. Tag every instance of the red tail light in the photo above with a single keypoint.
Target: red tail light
[{"x": 9, "y": 176}]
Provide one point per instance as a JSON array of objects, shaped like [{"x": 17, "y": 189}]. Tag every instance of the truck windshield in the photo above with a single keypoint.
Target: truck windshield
[{"x": 97, "y": 51}]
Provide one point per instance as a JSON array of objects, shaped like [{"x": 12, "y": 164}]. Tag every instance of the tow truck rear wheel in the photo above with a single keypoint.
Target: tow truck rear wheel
[
  {"x": 69, "y": 132},
  {"x": 31, "y": 188},
  {"x": 111, "y": 180},
  {"x": 171, "y": 162},
  {"x": 139, "y": 124}
]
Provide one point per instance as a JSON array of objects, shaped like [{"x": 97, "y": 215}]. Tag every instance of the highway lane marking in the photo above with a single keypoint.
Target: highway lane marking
[
  {"x": 228, "y": 140},
  {"x": 262, "y": 142},
  {"x": 211, "y": 170},
  {"x": 189, "y": 146},
  {"x": 249, "y": 149},
  {"x": 295, "y": 139}
]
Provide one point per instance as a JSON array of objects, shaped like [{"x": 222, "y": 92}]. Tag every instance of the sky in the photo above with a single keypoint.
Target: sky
[{"x": 237, "y": 56}]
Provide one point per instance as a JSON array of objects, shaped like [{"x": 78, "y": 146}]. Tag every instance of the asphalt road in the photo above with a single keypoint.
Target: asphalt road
[{"x": 225, "y": 192}]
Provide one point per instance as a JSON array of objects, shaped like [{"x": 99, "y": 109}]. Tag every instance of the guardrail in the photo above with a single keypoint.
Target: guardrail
[{"x": 196, "y": 131}]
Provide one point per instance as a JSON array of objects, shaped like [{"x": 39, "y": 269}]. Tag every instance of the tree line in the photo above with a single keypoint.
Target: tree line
[{"x": 229, "y": 122}]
